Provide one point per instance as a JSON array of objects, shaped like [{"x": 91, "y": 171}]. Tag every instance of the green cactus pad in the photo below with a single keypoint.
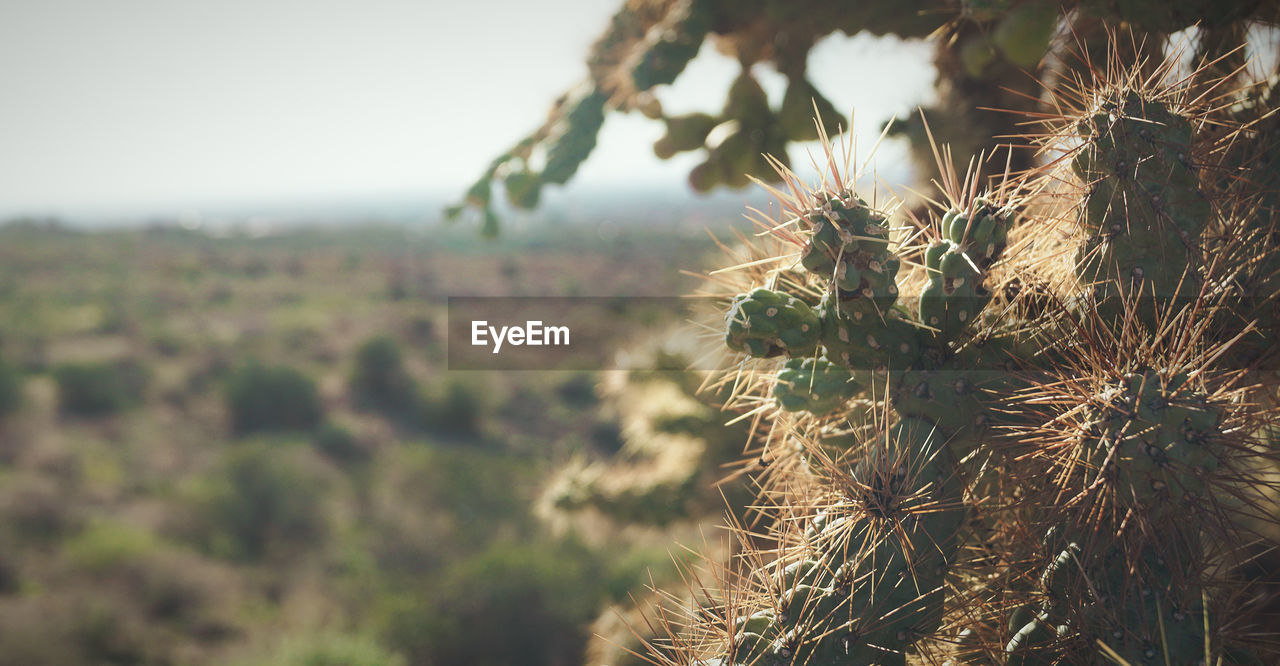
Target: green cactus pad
[
  {"x": 796, "y": 115},
  {"x": 814, "y": 385},
  {"x": 950, "y": 399},
  {"x": 863, "y": 340},
  {"x": 954, "y": 296},
  {"x": 849, "y": 245},
  {"x": 1133, "y": 605},
  {"x": 1144, "y": 211},
  {"x": 869, "y": 592},
  {"x": 523, "y": 189},
  {"x": 671, "y": 44},
  {"x": 573, "y": 139},
  {"x": 1023, "y": 34},
  {"x": 981, "y": 231},
  {"x": 766, "y": 323},
  {"x": 747, "y": 102},
  {"x": 688, "y": 132},
  {"x": 798, "y": 573},
  {"x": 1157, "y": 440}
]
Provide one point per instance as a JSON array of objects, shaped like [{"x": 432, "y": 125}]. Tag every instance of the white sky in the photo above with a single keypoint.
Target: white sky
[{"x": 158, "y": 105}]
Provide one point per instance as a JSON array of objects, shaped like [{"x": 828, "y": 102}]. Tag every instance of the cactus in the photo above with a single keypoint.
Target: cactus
[
  {"x": 767, "y": 323},
  {"x": 1025, "y": 419},
  {"x": 1067, "y": 483},
  {"x": 646, "y": 46},
  {"x": 813, "y": 385}
]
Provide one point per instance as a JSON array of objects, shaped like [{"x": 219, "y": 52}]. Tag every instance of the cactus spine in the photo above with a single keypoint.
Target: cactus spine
[
  {"x": 1034, "y": 423},
  {"x": 1092, "y": 462}
]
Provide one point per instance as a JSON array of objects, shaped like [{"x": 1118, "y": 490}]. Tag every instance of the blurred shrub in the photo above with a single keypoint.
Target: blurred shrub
[
  {"x": 255, "y": 267},
  {"x": 330, "y": 650},
  {"x": 99, "y": 388},
  {"x": 159, "y": 581},
  {"x": 220, "y": 294},
  {"x": 10, "y": 573},
  {"x": 10, "y": 389},
  {"x": 168, "y": 343},
  {"x": 32, "y": 356},
  {"x": 117, "y": 316},
  {"x": 633, "y": 567},
  {"x": 431, "y": 504},
  {"x": 339, "y": 445},
  {"x": 422, "y": 329},
  {"x": 456, "y": 412},
  {"x": 380, "y": 381},
  {"x": 102, "y": 547},
  {"x": 579, "y": 390},
  {"x": 261, "y": 502},
  {"x": 105, "y": 636},
  {"x": 77, "y": 628},
  {"x": 606, "y": 436},
  {"x": 213, "y": 366},
  {"x": 36, "y": 509},
  {"x": 272, "y": 398},
  {"x": 531, "y": 595}
]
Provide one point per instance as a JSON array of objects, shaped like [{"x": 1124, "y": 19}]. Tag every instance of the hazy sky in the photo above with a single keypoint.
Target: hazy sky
[{"x": 168, "y": 104}]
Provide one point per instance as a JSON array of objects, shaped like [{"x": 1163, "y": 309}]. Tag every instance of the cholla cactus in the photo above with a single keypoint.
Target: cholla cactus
[
  {"x": 647, "y": 44},
  {"x": 970, "y": 470},
  {"x": 1031, "y": 422}
]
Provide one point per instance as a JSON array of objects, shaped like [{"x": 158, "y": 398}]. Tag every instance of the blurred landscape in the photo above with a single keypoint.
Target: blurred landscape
[
  {"x": 242, "y": 445},
  {"x": 228, "y": 433}
]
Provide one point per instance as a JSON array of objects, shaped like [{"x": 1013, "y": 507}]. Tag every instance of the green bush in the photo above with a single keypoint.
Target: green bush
[
  {"x": 36, "y": 509},
  {"x": 532, "y": 594},
  {"x": 433, "y": 503},
  {"x": 10, "y": 389},
  {"x": 456, "y": 412},
  {"x": 579, "y": 390},
  {"x": 331, "y": 650},
  {"x": 338, "y": 444},
  {"x": 380, "y": 381},
  {"x": 105, "y": 546},
  {"x": 272, "y": 398},
  {"x": 165, "y": 584},
  {"x": 261, "y": 502},
  {"x": 100, "y": 388}
]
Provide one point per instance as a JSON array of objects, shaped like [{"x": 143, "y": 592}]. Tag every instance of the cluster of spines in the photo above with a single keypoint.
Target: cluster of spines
[
  {"x": 1150, "y": 445},
  {"x": 854, "y": 326},
  {"x": 865, "y": 581},
  {"x": 1143, "y": 210},
  {"x": 1110, "y": 430},
  {"x": 814, "y": 385},
  {"x": 875, "y": 583},
  {"x": 1131, "y": 608},
  {"x": 957, "y": 265},
  {"x": 648, "y": 44}
]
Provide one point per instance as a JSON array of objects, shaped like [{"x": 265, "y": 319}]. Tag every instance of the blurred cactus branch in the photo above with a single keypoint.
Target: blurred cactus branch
[
  {"x": 647, "y": 44},
  {"x": 1035, "y": 423},
  {"x": 992, "y": 56}
]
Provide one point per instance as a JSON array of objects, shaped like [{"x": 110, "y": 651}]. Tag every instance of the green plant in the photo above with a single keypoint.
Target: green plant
[
  {"x": 339, "y": 444},
  {"x": 261, "y": 502},
  {"x": 457, "y": 411},
  {"x": 1032, "y": 424},
  {"x": 331, "y": 650},
  {"x": 380, "y": 380},
  {"x": 1086, "y": 452},
  {"x": 533, "y": 590},
  {"x": 99, "y": 388},
  {"x": 272, "y": 398},
  {"x": 10, "y": 389}
]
